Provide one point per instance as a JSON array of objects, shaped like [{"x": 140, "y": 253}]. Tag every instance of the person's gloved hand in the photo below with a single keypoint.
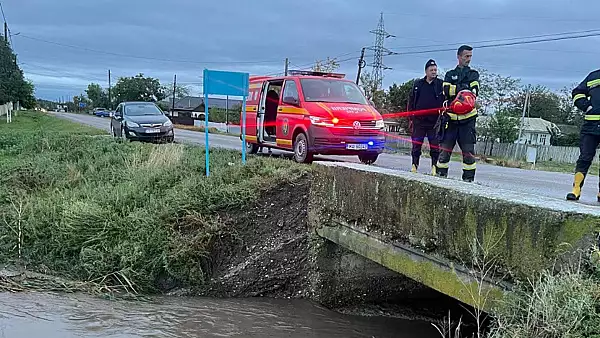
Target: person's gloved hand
[{"x": 589, "y": 108}]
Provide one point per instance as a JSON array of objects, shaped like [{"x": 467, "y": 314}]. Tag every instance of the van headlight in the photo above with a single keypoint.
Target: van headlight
[
  {"x": 379, "y": 124},
  {"x": 321, "y": 122}
]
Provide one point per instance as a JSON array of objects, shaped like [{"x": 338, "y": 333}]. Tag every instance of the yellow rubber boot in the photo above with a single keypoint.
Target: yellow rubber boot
[
  {"x": 577, "y": 184},
  {"x": 433, "y": 170},
  {"x": 414, "y": 169}
]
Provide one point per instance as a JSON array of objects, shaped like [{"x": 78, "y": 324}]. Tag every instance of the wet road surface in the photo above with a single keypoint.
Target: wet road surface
[
  {"x": 48, "y": 315},
  {"x": 540, "y": 183}
]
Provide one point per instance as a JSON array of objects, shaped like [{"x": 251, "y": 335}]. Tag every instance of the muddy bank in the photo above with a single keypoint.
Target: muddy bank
[{"x": 266, "y": 251}]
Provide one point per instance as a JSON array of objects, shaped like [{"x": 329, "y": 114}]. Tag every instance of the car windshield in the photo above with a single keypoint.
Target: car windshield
[
  {"x": 330, "y": 90},
  {"x": 139, "y": 109}
]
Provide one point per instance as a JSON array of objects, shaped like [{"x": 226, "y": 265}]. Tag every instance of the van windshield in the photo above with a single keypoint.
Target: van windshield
[{"x": 331, "y": 90}]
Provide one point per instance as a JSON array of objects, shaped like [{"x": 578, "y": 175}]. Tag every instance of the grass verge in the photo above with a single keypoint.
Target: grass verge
[{"x": 85, "y": 207}]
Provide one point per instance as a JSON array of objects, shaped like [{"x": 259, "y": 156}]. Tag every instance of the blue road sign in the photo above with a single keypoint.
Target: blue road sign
[
  {"x": 217, "y": 82},
  {"x": 82, "y": 104}
]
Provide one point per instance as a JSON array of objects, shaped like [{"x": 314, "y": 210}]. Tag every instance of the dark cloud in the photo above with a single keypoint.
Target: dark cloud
[{"x": 256, "y": 36}]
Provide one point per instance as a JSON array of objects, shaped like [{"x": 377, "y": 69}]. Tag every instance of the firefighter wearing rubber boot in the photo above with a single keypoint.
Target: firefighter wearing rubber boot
[
  {"x": 426, "y": 93},
  {"x": 459, "y": 127},
  {"x": 586, "y": 97}
]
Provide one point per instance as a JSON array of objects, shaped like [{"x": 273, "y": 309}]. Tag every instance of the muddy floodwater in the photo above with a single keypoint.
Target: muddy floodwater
[{"x": 74, "y": 315}]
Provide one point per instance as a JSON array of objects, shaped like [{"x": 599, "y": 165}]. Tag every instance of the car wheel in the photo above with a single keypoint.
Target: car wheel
[
  {"x": 251, "y": 148},
  {"x": 368, "y": 158},
  {"x": 123, "y": 135},
  {"x": 301, "y": 152}
]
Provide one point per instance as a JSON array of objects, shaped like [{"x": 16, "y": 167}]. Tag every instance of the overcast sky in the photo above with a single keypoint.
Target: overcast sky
[{"x": 162, "y": 38}]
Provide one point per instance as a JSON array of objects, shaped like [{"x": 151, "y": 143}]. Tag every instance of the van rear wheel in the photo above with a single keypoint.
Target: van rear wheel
[
  {"x": 368, "y": 158},
  {"x": 301, "y": 151}
]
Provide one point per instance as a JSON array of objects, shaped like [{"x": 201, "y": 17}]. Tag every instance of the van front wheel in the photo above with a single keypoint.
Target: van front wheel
[
  {"x": 301, "y": 151},
  {"x": 368, "y": 158},
  {"x": 251, "y": 148}
]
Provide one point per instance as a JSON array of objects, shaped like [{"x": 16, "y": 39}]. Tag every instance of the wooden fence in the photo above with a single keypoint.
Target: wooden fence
[{"x": 499, "y": 150}]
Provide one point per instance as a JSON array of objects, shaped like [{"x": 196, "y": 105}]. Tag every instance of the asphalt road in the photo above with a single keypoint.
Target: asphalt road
[{"x": 548, "y": 184}]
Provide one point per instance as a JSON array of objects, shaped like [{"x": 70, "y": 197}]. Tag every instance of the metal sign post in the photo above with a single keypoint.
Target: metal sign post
[{"x": 227, "y": 84}]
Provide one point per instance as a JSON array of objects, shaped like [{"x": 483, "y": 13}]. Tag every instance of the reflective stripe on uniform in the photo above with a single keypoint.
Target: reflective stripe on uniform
[
  {"x": 592, "y": 117},
  {"x": 443, "y": 165},
  {"x": 469, "y": 166},
  {"x": 474, "y": 83},
  {"x": 593, "y": 83},
  {"x": 451, "y": 89},
  {"x": 456, "y": 117},
  {"x": 579, "y": 96}
]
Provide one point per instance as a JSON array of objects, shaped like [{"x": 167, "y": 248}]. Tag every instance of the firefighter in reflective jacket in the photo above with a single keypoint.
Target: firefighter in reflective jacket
[
  {"x": 586, "y": 97},
  {"x": 459, "y": 127}
]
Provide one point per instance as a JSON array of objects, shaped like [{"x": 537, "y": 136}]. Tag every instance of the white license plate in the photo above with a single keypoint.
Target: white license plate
[
  {"x": 357, "y": 146},
  {"x": 152, "y": 130}
]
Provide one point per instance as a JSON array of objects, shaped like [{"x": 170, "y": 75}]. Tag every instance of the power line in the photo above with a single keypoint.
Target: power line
[
  {"x": 503, "y": 18},
  {"x": 516, "y": 43},
  {"x": 2, "y": 10},
  {"x": 502, "y": 39},
  {"x": 141, "y": 57}
]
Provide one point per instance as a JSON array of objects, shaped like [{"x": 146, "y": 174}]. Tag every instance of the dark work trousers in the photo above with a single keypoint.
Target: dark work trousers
[
  {"x": 464, "y": 133},
  {"x": 587, "y": 151},
  {"x": 419, "y": 132}
]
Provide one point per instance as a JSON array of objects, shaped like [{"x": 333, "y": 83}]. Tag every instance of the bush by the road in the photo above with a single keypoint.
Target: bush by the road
[{"x": 84, "y": 206}]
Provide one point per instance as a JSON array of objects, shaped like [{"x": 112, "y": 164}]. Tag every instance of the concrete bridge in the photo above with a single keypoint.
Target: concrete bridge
[{"x": 465, "y": 240}]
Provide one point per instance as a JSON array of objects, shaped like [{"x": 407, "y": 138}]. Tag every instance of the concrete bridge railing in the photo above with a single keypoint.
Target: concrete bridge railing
[{"x": 443, "y": 233}]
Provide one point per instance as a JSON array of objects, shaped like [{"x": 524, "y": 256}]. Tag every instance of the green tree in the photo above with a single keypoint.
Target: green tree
[
  {"x": 181, "y": 91},
  {"x": 13, "y": 86},
  {"x": 495, "y": 91},
  {"x": 372, "y": 92},
  {"x": 139, "y": 88},
  {"x": 569, "y": 112},
  {"x": 327, "y": 66},
  {"x": 543, "y": 103},
  {"x": 397, "y": 101},
  {"x": 98, "y": 96}
]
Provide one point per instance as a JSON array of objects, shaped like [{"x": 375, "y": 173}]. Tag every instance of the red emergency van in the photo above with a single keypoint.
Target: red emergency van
[{"x": 312, "y": 113}]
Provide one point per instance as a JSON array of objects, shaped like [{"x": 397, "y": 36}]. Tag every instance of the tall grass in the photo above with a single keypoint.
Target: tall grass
[{"x": 131, "y": 214}]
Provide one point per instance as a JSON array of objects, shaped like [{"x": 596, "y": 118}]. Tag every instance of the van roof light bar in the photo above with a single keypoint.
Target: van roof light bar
[{"x": 312, "y": 73}]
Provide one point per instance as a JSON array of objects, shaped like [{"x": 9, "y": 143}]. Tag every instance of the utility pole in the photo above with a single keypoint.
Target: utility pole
[
  {"x": 523, "y": 116},
  {"x": 174, "y": 89},
  {"x": 227, "y": 112},
  {"x": 6, "y": 32},
  {"x": 287, "y": 64},
  {"x": 109, "y": 98},
  {"x": 361, "y": 65}
]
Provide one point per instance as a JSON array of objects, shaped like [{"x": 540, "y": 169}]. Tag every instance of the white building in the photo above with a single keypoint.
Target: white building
[{"x": 536, "y": 131}]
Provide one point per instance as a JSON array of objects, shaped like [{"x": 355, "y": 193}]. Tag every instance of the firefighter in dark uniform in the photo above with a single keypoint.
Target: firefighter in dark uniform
[
  {"x": 459, "y": 128},
  {"x": 586, "y": 97},
  {"x": 426, "y": 93}
]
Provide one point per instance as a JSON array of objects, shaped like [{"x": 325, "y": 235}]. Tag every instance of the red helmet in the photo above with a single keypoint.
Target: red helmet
[{"x": 463, "y": 103}]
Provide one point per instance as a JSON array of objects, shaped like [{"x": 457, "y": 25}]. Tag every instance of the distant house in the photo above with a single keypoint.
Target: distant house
[
  {"x": 193, "y": 106},
  {"x": 536, "y": 131}
]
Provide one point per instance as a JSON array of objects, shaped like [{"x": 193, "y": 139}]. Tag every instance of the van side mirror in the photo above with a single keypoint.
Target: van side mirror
[{"x": 291, "y": 100}]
